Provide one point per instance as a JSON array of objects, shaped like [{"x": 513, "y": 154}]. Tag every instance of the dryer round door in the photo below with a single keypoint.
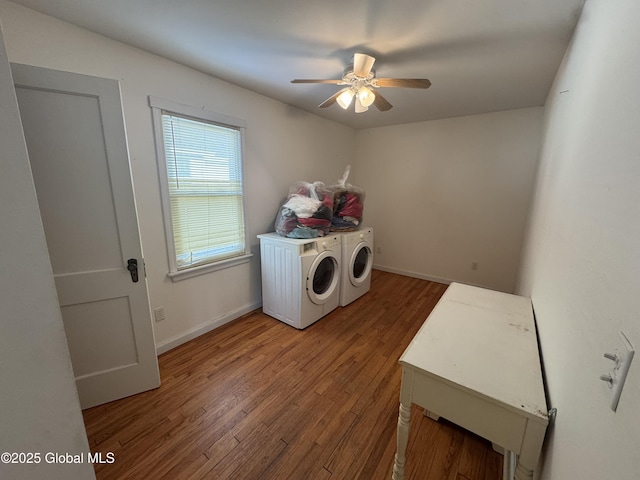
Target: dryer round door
[
  {"x": 360, "y": 264},
  {"x": 323, "y": 278}
]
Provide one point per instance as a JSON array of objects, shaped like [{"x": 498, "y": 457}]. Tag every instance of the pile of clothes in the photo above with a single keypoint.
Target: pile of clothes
[
  {"x": 307, "y": 213},
  {"x": 347, "y": 211},
  {"x": 348, "y": 205},
  {"x": 313, "y": 210}
]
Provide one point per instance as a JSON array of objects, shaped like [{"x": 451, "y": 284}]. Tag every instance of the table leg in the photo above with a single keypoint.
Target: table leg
[
  {"x": 507, "y": 465},
  {"x": 404, "y": 419},
  {"x": 531, "y": 448}
]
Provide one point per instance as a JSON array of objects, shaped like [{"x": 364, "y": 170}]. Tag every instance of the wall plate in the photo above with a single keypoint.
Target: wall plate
[{"x": 623, "y": 356}]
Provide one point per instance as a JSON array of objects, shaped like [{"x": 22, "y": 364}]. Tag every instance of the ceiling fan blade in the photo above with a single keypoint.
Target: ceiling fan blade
[
  {"x": 403, "y": 82},
  {"x": 362, "y": 64},
  {"x": 381, "y": 103},
  {"x": 330, "y": 101},
  {"x": 304, "y": 80}
]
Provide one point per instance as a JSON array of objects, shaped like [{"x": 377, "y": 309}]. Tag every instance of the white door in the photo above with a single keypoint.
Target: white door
[{"x": 76, "y": 141}]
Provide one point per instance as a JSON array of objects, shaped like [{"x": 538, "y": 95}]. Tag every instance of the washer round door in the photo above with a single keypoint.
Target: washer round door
[
  {"x": 360, "y": 264},
  {"x": 323, "y": 278}
]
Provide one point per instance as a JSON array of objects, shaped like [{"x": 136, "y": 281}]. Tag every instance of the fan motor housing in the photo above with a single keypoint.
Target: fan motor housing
[{"x": 348, "y": 72}]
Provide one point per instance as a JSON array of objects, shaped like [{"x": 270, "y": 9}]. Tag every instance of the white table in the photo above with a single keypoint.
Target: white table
[{"x": 475, "y": 362}]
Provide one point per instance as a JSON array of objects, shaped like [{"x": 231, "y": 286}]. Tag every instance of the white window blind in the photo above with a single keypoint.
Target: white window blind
[{"x": 204, "y": 176}]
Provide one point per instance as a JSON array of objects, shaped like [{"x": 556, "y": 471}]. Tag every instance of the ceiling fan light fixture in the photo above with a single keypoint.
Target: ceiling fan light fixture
[
  {"x": 366, "y": 96},
  {"x": 359, "y": 107},
  {"x": 362, "y": 83},
  {"x": 344, "y": 99}
]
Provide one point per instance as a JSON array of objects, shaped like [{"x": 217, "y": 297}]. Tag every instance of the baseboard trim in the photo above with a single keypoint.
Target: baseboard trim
[
  {"x": 195, "y": 332},
  {"x": 408, "y": 273},
  {"x": 445, "y": 281}
]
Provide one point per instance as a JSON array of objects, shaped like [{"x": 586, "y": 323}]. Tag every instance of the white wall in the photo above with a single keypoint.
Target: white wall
[
  {"x": 582, "y": 255},
  {"x": 39, "y": 407},
  {"x": 445, "y": 193},
  {"x": 283, "y": 145},
  {"x": 458, "y": 187}
]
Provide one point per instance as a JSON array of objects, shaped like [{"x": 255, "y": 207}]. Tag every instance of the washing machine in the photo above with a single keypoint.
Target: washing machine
[
  {"x": 300, "y": 277},
  {"x": 357, "y": 262}
]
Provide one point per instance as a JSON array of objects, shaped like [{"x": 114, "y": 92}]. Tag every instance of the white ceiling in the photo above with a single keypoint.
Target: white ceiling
[{"x": 480, "y": 55}]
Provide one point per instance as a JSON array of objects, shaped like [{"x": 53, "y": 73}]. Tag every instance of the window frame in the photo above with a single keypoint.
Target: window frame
[{"x": 158, "y": 106}]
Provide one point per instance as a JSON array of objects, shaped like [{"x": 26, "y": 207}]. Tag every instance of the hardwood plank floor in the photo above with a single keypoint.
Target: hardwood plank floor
[{"x": 257, "y": 399}]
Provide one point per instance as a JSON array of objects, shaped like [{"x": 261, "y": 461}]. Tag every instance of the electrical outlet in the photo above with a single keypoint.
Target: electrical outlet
[
  {"x": 474, "y": 265},
  {"x": 159, "y": 314},
  {"x": 379, "y": 250},
  {"x": 621, "y": 358}
]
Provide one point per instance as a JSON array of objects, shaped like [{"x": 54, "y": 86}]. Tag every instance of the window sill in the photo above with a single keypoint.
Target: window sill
[{"x": 213, "y": 267}]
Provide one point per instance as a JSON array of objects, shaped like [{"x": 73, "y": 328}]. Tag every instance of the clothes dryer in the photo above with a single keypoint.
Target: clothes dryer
[
  {"x": 357, "y": 262},
  {"x": 300, "y": 277}
]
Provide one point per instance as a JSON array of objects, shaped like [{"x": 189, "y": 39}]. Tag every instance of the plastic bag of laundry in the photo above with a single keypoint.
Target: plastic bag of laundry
[
  {"x": 348, "y": 205},
  {"x": 307, "y": 211}
]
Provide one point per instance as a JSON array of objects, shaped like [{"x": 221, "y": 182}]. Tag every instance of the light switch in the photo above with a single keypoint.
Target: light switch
[{"x": 621, "y": 359}]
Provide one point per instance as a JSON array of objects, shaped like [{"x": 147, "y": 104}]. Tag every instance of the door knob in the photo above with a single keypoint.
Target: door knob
[{"x": 132, "y": 266}]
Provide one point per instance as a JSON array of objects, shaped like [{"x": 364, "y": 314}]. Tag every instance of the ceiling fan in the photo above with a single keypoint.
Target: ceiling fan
[{"x": 361, "y": 82}]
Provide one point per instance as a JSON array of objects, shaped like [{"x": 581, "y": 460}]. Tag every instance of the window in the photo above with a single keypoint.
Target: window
[{"x": 200, "y": 163}]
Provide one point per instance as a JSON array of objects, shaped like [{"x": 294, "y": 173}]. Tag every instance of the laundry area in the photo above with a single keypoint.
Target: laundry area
[{"x": 320, "y": 257}]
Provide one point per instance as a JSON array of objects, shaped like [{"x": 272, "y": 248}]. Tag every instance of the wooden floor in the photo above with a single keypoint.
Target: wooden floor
[{"x": 257, "y": 399}]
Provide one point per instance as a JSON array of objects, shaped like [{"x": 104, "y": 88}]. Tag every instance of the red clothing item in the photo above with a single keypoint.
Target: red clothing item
[
  {"x": 314, "y": 222},
  {"x": 353, "y": 207}
]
